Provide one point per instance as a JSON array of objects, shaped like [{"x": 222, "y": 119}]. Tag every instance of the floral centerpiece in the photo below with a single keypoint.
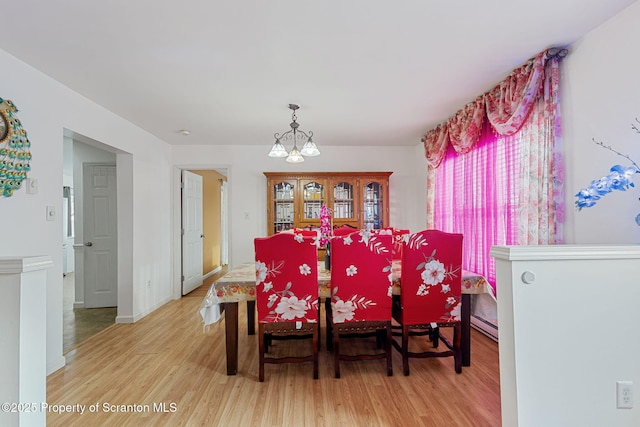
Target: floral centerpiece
[
  {"x": 326, "y": 231},
  {"x": 619, "y": 178}
]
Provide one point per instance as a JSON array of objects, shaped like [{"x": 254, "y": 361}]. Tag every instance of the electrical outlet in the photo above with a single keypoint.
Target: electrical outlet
[
  {"x": 624, "y": 394},
  {"x": 51, "y": 213}
]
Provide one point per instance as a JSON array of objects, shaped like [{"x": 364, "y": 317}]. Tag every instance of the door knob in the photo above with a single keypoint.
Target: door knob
[{"x": 89, "y": 244}]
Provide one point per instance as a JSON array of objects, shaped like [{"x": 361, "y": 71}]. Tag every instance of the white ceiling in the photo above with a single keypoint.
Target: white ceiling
[{"x": 364, "y": 72}]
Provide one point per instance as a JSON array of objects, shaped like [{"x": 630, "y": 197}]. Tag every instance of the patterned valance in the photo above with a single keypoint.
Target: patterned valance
[{"x": 506, "y": 106}]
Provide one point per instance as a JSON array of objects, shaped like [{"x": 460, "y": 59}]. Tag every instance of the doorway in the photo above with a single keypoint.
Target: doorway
[
  {"x": 80, "y": 322},
  {"x": 212, "y": 240}
]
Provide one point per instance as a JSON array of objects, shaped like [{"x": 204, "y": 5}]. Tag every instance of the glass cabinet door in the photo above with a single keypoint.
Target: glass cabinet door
[
  {"x": 344, "y": 210},
  {"x": 372, "y": 199},
  {"x": 313, "y": 197},
  {"x": 283, "y": 206}
]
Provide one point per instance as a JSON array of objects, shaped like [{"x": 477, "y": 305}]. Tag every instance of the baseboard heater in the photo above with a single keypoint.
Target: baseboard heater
[{"x": 485, "y": 327}]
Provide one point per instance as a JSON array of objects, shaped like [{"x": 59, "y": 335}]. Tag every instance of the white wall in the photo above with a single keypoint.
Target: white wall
[
  {"x": 248, "y": 185},
  {"x": 600, "y": 99},
  {"x": 68, "y": 264},
  {"x": 46, "y": 109}
]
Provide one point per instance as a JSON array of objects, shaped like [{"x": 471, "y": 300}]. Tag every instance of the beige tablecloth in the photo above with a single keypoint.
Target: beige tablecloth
[{"x": 239, "y": 284}]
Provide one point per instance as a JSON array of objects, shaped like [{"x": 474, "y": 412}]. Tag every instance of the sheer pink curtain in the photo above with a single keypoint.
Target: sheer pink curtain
[
  {"x": 476, "y": 195},
  {"x": 496, "y": 167}
]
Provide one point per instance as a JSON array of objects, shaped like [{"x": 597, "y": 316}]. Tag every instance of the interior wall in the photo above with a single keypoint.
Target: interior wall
[
  {"x": 211, "y": 217},
  {"x": 248, "y": 185},
  {"x": 68, "y": 233},
  {"x": 46, "y": 109},
  {"x": 600, "y": 99}
]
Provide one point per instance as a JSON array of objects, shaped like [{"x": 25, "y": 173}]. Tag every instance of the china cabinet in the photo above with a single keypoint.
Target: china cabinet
[{"x": 358, "y": 199}]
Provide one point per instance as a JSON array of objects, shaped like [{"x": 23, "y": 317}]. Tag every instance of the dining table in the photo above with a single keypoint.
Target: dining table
[{"x": 239, "y": 284}]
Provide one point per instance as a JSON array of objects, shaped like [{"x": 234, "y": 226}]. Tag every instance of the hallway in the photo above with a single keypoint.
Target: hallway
[{"x": 81, "y": 323}]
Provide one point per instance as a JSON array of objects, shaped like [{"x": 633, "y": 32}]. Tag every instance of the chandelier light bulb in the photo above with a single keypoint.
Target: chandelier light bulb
[
  {"x": 310, "y": 149},
  {"x": 278, "y": 150},
  {"x": 295, "y": 156}
]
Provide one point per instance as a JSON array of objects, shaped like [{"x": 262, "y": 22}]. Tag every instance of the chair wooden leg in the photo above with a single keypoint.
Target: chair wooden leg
[
  {"x": 434, "y": 335},
  {"x": 457, "y": 348},
  {"x": 329, "y": 332},
  {"x": 405, "y": 349},
  {"x": 388, "y": 350},
  {"x": 261, "y": 339}
]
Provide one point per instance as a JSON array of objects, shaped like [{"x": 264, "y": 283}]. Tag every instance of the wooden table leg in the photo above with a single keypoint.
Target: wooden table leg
[
  {"x": 328, "y": 329},
  {"x": 231, "y": 335},
  {"x": 251, "y": 317},
  {"x": 466, "y": 330}
]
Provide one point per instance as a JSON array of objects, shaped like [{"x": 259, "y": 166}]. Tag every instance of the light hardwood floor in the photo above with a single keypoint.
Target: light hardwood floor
[{"x": 168, "y": 359}]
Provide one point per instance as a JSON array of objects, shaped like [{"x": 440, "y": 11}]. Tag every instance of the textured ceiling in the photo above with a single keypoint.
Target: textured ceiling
[{"x": 364, "y": 72}]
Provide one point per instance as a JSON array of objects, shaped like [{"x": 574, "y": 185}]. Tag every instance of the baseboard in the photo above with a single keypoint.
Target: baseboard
[
  {"x": 124, "y": 319},
  {"x": 486, "y": 327},
  {"x": 55, "y": 365},
  {"x": 212, "y": 272},
  {"x": 78, "y": 304},
  {"x": 133, "y": 319}
]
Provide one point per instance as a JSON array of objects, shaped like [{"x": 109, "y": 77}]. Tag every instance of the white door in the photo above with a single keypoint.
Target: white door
[
  {"x": 224, "y": 226},
  {"x": 100, "y": 244},
  {"x": 191, "y": 231}
]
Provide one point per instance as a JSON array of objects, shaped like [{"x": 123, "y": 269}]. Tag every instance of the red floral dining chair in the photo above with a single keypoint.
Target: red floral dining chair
[
  {"x": 315, "y": 234},
  {"x": 286, "y": 294},
  {"x": 344, "y": 230},
  {"x": 430, "y": 298},
  {"x": 360, "y": 294},
  {"x": 305, "y": 232},
  {"x": 398, "y": 237}
]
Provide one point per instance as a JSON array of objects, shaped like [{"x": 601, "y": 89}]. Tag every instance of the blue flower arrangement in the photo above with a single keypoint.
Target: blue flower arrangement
[{"x": 619, "y": 178}]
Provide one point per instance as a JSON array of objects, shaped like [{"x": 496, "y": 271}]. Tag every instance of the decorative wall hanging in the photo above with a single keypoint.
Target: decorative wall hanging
[{"x": 14, "y": 149}]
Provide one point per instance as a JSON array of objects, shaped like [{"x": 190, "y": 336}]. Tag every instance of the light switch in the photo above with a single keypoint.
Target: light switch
[
  {"x": 51, "y": 213},
  {"x": 32, "y": 185}
]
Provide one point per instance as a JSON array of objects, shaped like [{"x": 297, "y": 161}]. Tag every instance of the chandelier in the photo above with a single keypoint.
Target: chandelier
[{"x": 309, "y": 149}]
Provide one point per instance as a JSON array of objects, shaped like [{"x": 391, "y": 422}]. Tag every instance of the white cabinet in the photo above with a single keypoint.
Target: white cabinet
[{"x": 568, "y": 319}]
